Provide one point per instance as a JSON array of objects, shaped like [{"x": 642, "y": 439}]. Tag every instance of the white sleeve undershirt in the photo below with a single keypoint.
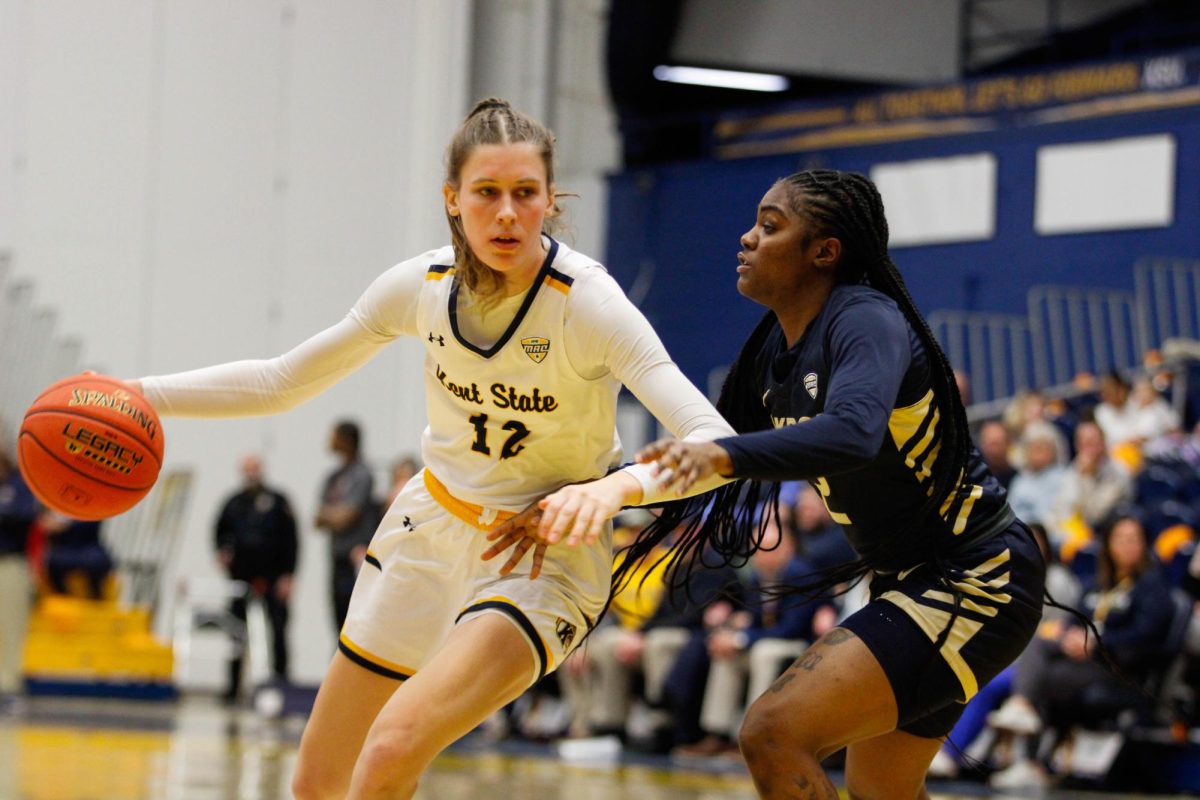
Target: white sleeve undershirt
[{"x": 608, "y": 333}]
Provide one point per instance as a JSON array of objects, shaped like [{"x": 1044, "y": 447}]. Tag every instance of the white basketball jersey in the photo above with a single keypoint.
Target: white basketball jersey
[{"x": 511, "y": 421}]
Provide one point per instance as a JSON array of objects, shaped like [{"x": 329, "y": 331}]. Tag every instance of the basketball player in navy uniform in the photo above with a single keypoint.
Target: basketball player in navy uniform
[
  {"x": 842, "y": 384},
  {"x": 527, "y": 345}
]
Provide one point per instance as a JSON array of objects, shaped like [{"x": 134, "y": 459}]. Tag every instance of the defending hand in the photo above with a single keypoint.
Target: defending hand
[
  {"x": 680, "y": 464},
  {"x": 520, "y": 533}
]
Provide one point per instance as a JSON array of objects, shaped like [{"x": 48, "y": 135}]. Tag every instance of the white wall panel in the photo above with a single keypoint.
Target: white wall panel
[
  {"x": 83, "y": 128},
  {"x": 1111, "y": 185},
  {"x": 206, "y": 180},
  {"x": 937, "y": 200},
  {"x": 11, "y": 64}
]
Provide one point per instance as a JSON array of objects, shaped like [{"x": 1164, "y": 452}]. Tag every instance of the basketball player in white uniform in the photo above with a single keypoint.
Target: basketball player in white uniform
[{"x": 527, "y": 345}]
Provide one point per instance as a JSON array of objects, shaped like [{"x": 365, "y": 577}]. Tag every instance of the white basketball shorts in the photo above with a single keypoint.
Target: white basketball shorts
[{"x": 423, "y": 575}]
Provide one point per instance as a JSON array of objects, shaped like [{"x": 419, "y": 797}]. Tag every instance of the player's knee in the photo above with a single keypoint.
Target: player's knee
[
  {"x": 762, "y": 733},
  {"x": 388, "y": 763},
  {"x": 307, "y": 785},
  {"x": 769, "y": 730}
]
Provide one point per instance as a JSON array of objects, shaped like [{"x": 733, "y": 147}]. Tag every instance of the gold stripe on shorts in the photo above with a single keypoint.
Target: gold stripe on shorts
[
  {"x": 467, "y": 512},
  {"x": 370, "y": 660}
]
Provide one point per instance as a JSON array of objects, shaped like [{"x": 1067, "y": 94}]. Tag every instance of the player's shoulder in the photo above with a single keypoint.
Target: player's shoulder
[
  {"x": 863, "y": 302},
  {"x": 581, "y": 272},
  {"x": 407, "y": 276},
  {"x": 440, "y": 260}
]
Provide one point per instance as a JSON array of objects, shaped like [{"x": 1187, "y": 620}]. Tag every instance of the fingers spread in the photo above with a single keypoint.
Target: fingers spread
[{"x": 539, "y": 555}]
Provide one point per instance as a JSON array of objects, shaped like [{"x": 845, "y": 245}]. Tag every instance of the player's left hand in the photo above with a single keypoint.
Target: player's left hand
[
  {"x": 520, "y": 533},
  {"x": 681, "y": 463},
  {"x": 576, "y": 514}
]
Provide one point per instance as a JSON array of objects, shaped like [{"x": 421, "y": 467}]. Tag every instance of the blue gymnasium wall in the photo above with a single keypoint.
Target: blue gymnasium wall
[{"x": 684, "y": 220}]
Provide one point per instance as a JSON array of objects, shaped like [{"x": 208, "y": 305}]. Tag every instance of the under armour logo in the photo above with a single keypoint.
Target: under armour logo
[
  {"x": 408, "y": 524},
  {"x": 441, "y": 340}
]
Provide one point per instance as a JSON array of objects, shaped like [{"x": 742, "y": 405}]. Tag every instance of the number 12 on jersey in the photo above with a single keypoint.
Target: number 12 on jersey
[{"x": 512, "y": 445}]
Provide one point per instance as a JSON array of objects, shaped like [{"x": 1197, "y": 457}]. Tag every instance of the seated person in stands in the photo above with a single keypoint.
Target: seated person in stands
[
  {"x": 1132, "y": 608},
  {"x": 77, "y": 562},
  {"x": 1191, "y": 646},
  {"x": 994, "y": 446},
  {"x": 1093, "y": 487},
  {"x": 818, "y": 539},
  {"x": 744, "y": 651},
  {"x": 648, "y": 623},
  {"x": 1035, "y": 488}
]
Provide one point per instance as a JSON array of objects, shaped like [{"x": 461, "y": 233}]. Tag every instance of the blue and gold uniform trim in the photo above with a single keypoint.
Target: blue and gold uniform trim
[
  {"x": 983, "y": 591},
  {"x": 558, "y": 280},
  {"x": 914, "y": 430},
  {"x": 506, "y": 606},
  {"x": 373, "y": 560},
  {"x": 380, "y": 666},
  {"x": 438, "y": 271}
]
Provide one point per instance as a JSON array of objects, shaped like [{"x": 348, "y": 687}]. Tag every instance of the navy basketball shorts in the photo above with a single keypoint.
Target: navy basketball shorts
[{"x": 999, "y": 585}]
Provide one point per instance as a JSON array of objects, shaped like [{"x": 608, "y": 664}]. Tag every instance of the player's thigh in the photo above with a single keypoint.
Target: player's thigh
[
  {"x": 347, "y": 703},
  {"x": 485, "y": 664},
  {"x": 889, "y": 766},
  {"x": 834, "y": 694}
]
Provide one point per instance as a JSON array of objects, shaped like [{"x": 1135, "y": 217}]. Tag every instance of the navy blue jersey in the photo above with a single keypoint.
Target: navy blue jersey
[{"x": 854, "y": 414}]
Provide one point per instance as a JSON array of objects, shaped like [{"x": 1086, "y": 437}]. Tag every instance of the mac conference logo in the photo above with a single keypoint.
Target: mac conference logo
[
  {"x": 810, "y": 384},
  {"x": 536, "y": 348}
]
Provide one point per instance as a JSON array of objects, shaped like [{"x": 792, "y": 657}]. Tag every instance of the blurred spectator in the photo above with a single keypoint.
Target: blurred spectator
[
  {"x": 819, "y": 541},
  {"x": 748, "y": 649},
  {"x": 1132, "y": 419},
  {"x": 1030, "y": 406},
  {"x": 994, "y": 445},
  {"x": 650, "y": 622},
  {"x": 1191, "y": 672},
  {"x": 18, "y": 510},
  {"x": 1034, "y": 490},
  {"x": 1113, "y": 413},
  {"x": 1152, "y": 414},
  {"x": 348, "y": 514},
  {"x": 402, "y": 471},
  {"x": 1093, "y": 488},
  {"x": 1131, "y": 606},
  {"x": 256, "y": 544},
  {"x": 76, "y": 560}
]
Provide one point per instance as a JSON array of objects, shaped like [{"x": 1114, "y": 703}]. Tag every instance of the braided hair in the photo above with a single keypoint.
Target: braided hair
[{"x": 723, "y": 525}]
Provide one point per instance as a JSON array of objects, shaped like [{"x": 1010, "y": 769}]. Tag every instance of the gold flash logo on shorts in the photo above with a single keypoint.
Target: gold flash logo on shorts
[
  {"x": 536, "y": 348},
  {"x": 565, "y": 631}
]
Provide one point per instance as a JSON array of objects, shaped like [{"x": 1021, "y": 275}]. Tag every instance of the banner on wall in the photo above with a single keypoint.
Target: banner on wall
[{"x": 1040, "y": 98}]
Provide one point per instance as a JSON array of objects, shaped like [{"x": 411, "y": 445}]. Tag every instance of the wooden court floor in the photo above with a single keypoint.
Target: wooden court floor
[{"x": 194, "y": 749}]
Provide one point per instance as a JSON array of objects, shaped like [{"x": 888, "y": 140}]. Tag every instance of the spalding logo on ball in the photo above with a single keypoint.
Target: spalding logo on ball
[{"x": 90, "y": 447}]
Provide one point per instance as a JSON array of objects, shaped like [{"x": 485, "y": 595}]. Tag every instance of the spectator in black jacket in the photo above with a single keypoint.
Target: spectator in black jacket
[{"x": 256, "y": 544}]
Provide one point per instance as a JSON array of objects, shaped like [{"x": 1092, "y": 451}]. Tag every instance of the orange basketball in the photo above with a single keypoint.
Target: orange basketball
[{"x": 90, "y": 447}]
